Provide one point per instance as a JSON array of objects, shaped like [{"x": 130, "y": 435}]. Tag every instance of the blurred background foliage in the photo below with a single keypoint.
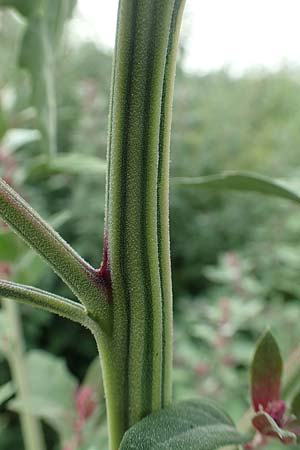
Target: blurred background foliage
[{"x": 236, "y": 257}]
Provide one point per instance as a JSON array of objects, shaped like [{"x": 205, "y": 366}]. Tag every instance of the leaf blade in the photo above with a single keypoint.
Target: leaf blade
[
  {"x": 189, "y": 425},
  {"x": 242, "y": 181},
  {"x": 266, "y": 372},
  {"x": 52, "y": 392},
  {"x": 67, "y": 164}
]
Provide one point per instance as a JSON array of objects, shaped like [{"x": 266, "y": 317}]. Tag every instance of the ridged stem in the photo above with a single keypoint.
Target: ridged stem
[
  {"x": 163, "y": 201},
  {"x": 45, "y": 300},
  {"x": 137, "y": 358}
]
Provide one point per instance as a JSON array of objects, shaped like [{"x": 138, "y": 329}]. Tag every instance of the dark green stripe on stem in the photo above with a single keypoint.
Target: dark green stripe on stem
[
  {"x": 163, "y": 202},
  {"x": 134, "y": 376}
]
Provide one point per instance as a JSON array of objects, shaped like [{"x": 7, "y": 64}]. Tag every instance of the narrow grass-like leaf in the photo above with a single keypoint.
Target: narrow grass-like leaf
[
  {"x": 266, "y": 372},
  {"x": 189, "y": 425},
  {"x": 242, "y": 181}
]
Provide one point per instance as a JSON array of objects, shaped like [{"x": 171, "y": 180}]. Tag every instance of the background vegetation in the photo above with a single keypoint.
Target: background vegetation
[{"x": 236, "y": 257}]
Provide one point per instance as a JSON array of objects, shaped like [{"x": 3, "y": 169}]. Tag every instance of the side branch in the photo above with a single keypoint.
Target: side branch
[
  {"x": 82, "y": 279},
  {"x": 45, "y": 300}
]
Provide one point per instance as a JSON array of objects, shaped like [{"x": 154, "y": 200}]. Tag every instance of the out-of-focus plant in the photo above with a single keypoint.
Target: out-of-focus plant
[
  {"x": 126, "y": 303},
  {"x": 134, "y": 278},
  {"x": 215, "y": 333},
  {"x": 12, "y": 345},
  {"x": 40, "y": 41},
  {"x": 115, "y": 304}
]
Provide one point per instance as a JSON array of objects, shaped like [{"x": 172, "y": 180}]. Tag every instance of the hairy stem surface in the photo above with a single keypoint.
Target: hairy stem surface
[
  {"x": 84, "y": 281},
  {"x": 45, "y": 300},
  {"x": 138, "y": 376}
]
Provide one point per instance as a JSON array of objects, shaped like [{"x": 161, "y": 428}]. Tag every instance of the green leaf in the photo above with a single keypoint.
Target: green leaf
[
  {"x": 266, "y": 372},
  {"x": 242, "y": 181},
  {"x": 295, "y": 407},
  {"x": 7, "y": 390},
  {"x": 189, "y": 425},
  {"x": 37, "y": 56},
  {"x": 52, "y": 392},
  {"x": 69, "y": 164}
]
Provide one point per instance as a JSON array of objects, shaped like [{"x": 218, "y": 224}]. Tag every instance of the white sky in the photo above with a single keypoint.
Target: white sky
[{"x": 240, "y": 34}]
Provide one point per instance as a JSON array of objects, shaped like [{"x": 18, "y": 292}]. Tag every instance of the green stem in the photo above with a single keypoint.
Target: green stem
[
  {"x": 45, "y": 300},
  {"x": 84, "y": 281},
  {"x": 137, "y": 357},
  {"x": 163, "y": 201},
  {"x": 31, "y": 427}
]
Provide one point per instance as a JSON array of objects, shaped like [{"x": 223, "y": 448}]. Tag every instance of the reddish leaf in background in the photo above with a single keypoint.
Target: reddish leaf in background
[
  {"x": 271, "y": 419},
  {"x": 266, "y": 372}
]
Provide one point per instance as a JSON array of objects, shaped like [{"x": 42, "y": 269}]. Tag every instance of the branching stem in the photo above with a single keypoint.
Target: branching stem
[
  {"x": 46, "y": 301},
  {"x": 128, "y": 301},
  {"x": 82, "y": 279}
]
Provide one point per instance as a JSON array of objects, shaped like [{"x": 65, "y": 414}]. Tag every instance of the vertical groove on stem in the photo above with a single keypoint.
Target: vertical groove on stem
[
  {"x": 163, "y": 202},
  {"x": 133, "y": 237},
  {"x": 31, "y": 427},
  {"x": 137, "y": 358}
]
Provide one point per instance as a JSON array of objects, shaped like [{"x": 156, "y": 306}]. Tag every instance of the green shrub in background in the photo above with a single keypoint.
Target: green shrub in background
[{"x": 216, "y": 126}]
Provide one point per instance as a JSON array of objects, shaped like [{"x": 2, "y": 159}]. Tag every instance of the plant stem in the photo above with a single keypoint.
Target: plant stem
[
  {"x": 137, "y": 358},
  {"x": 82, "y": 279},
  {"x": 45, "y": 300},
  {"x": 163, "y": 201},
  {"x": 31, "y": 428}
]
